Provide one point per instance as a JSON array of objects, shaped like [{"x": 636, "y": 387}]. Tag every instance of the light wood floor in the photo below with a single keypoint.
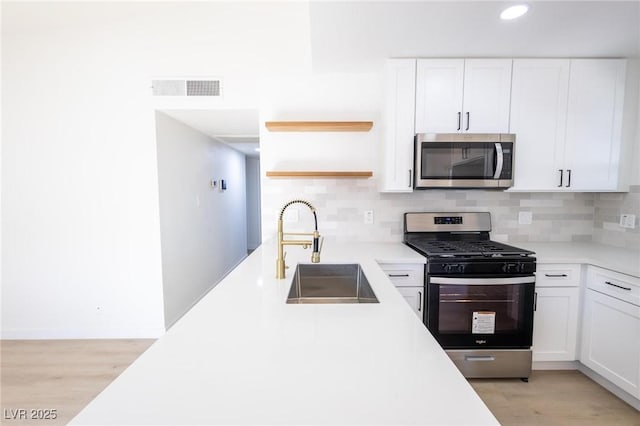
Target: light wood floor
[
  {"x": 61, "y": 375},
  {"x": 554, "y": 398},
  {"x": 66, "y": 374}
]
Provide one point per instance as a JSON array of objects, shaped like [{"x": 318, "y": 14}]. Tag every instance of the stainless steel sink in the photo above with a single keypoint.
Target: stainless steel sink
[{"x": 330, "y": 283}]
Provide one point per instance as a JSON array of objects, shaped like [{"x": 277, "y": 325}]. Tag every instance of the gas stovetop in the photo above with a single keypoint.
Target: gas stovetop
[
  {"x": 460, "y": 235},
  {"x": 456, "y": 248}
]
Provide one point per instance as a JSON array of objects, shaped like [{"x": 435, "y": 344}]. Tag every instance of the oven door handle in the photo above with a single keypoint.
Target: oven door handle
[{"x": 483, "y": 281}]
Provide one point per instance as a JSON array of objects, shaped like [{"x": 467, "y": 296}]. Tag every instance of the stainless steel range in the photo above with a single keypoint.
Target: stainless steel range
[{"x": 480, "y": 294}]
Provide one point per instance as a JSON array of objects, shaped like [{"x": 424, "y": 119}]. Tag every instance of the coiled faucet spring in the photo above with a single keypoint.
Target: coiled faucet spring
[{"x": 315, "y": 242}]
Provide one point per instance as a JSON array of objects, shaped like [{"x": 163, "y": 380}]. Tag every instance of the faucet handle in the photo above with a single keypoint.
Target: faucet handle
[{"x": 317, "y": 247}]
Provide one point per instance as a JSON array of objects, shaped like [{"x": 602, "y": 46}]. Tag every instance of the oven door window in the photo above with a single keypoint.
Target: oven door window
[
  {"x": 458, "y": 160},
  {"x": 481, "y": 315}
]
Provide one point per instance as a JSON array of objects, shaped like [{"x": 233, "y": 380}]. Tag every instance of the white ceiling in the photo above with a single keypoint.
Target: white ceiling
[
  {"x": 357, "y": 36},
  {"x": 237, "y": 128}
]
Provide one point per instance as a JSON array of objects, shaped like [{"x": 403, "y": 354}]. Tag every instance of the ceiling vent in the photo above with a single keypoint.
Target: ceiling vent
[{"x": 199, "y": 87}]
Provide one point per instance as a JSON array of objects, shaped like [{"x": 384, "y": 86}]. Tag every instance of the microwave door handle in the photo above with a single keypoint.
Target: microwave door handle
[{"x": 499, "y": 161}]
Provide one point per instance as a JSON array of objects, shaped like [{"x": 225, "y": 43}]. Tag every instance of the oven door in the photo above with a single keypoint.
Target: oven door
[{"x": 491, "y": 313}]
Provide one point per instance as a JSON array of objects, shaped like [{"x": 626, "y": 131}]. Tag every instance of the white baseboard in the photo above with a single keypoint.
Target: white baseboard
[
  {"x": 58, "y": 334},
  {"x": 555, "y": 365}
]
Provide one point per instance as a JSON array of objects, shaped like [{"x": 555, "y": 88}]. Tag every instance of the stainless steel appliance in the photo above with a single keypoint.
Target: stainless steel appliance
[
  {"x": 480, "y": 294},
  {"x": 463, "y": 160}
]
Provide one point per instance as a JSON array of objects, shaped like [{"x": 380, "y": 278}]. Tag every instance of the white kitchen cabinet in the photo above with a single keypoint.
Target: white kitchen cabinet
[
  {"x": 398, "y": 126},
  {"x": 567, "y": 117},
  {"x": 594, "y": 124},
  {"x": 463, "y": 95},
  {"x": 611, "y": 328},
  {"x": 415, "y": 298},
  {"x": 555, "y": 321},
  {"x": 409, "y": 280},
  {"x": 539, "y": 96}
]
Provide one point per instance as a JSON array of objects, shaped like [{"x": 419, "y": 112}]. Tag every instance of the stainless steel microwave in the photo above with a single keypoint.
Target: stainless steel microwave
[{"x": 464, "y": 160}]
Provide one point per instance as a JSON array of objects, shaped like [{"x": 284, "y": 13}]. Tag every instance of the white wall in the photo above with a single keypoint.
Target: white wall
[
  {"x": 254, "y": 216},
  {"x": 202, "y": 229},
  {"x": 318, "y": 97},
  {"x": 81, "y": 250}
]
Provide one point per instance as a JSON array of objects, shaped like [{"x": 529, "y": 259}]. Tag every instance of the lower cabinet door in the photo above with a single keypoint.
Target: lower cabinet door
[
  {"x": 555, "y": 324},
  {"x": 414, "y": 297},
  {"x": 611, "y": 340}
]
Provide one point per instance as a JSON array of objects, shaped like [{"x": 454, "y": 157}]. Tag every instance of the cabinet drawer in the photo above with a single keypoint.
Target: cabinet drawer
[
  {"x": 620, "y": 286},
  {"x": 557, "y": 275},
  {"x": 404, "y": 274}
]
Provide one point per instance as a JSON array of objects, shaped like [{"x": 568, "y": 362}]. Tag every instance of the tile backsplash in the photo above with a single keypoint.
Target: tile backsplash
[
  {"x": 607, "y": 210},
  {"x": 341, "y": 204}
]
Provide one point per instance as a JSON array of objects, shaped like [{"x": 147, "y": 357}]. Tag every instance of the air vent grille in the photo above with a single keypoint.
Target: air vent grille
[
  {"x": 186, "y": 87},
  {"x": 203, "y": 87}
]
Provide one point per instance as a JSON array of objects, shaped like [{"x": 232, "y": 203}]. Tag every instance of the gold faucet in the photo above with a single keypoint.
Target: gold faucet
[{"x": 315, "y": 255}]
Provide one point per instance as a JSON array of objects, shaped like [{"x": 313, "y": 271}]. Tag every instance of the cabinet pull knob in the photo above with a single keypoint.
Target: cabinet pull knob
[
  {"x": 419, "y": 301},
  {"x": 561, "y": 173},
  {"x": 398, "y": 275},
  {"x": 468, "y": 120},
  {"x": 459, "y": 120},
  {"x": 616, "y": 285},
  {"x": 556, "y": 275},
  {"x": 568, "y": 178}
]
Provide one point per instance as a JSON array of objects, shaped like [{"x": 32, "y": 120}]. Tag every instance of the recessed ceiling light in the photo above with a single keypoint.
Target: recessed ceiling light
[{"x": 514, "y": 12}]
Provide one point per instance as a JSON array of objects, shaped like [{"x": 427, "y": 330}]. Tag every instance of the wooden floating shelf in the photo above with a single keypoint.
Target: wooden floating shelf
[
  {"x": 318, "y": 174},
  {"x": 319, "y": 126}
]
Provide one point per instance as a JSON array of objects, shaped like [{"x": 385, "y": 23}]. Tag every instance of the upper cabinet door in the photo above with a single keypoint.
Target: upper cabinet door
[
  {"x": 398, "y": 124},
  {"x": 463, "y": 95},
  {"x": 594, "y": 123},
  {"x": 439, "y": 84},
  {"x": 538, "y": 118},
  {"x": 487, "y": 94}
]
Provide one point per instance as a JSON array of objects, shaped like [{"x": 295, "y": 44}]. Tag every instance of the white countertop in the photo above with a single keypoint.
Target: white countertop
[
  {"x": 244, "y": 356},
  {"x": 617, "y": 259}
]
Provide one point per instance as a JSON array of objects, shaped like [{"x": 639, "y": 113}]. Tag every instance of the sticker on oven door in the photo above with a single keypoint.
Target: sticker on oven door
[{"x": 484, "y": 322}]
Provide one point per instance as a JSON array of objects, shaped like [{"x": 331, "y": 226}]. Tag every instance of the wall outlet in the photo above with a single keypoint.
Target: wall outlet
[
  {"x": 525, "y": 218},
  {"x": 628, "y": 220},
  {"x": 368, "y": 217}
]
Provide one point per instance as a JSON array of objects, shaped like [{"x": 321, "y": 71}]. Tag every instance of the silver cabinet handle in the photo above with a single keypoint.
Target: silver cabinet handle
[
  {"x": 459, "y": 120},
  {"x": 410, "y": 178},
  {"x": 468, "y": 120},
  {"x": 618, "y": 286},
  {"x": 535, "y": 301},
  {"x": 398, "y": 275},
  {"x": 556, "y": 275},
  {"x": 419, "y": 301},
  {"x": 568, "y": 178},
  {"x": 561, "y": 174}
]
